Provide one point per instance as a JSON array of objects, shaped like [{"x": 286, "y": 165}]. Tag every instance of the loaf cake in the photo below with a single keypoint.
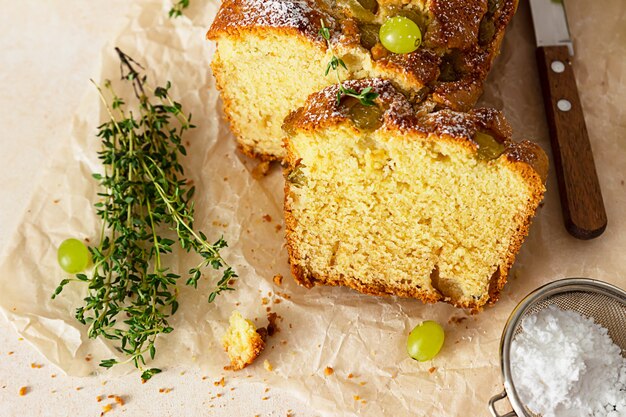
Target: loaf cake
[
  {"x": 389, "y": 201},
  {"x": 270, "y": 56}
]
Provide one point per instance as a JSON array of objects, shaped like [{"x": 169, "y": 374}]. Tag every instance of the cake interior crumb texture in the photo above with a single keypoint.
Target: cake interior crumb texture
[
  {"x": 409, "y": 211},
  {"x": 255, "y": 106}
]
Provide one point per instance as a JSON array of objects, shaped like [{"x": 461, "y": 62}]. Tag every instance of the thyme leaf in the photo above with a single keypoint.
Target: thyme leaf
[
  {"x": 177, "y": 8},
  {"x": 366, "y": 96},
  {"x": 145, "y": 207}
]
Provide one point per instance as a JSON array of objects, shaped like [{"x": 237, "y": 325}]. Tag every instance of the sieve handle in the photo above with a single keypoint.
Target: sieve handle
[{"x": 492, "y": 405}]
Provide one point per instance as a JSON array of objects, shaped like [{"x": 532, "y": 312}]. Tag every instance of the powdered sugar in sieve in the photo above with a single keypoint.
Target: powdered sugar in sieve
[{"x": 602, "y": 302}]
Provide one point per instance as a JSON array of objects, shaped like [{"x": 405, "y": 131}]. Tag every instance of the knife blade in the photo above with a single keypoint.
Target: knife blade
[{"x": 583, "y": 209}]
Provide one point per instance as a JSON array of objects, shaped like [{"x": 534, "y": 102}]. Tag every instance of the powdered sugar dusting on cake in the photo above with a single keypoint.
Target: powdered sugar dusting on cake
[
  {"x": 296, "y": 14},
  {"x": 446, "y": 122}
]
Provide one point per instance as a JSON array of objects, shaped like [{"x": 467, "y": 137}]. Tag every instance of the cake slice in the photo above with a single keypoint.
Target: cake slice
[
  {"x": 384, "y": 201},
  {"x": 270, "y": 56}
]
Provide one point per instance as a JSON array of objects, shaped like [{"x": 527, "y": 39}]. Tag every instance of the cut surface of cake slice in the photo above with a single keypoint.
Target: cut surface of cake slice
[
  {"x": 270, "y": 56},
  {"x": 386, "y": 201}
]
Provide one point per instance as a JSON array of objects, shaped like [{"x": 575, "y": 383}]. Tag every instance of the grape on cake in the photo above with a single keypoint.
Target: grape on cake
[
  {"x": 270, "y": 56},
  {"x": 388, "y": 201}
]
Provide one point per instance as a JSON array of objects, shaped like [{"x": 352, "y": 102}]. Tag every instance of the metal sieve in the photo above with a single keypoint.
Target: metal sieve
[{"x": 604, "y": 303}]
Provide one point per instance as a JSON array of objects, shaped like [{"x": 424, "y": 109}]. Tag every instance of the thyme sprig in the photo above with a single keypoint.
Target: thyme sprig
[
  {"x": 177, "y": 8},
  {"x": 145, "y": 202},
  {"x": 366, "y": 96}
]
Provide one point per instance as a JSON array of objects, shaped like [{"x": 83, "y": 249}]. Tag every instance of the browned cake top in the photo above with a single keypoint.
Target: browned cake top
[
  {"x": 322, "y": 110},
  {"x": 236, "y": 15},
  {"x": 460, "y": 37}
]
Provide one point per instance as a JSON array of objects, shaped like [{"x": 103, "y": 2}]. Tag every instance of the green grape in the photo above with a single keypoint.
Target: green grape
[
  {"x": 366, "y": 118},
  {"x": 425, "y": 341},
  {"x": 73, "y": 256},
  {"x": 488, "y": 147},
  {"x": 400, "y": 35}
]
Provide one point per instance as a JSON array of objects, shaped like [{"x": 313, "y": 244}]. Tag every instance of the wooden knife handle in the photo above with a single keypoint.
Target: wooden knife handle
[{"x": 581, "y": 199}]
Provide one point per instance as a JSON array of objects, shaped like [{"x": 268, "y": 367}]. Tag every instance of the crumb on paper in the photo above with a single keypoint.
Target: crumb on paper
[
  {"x": 350, "y": 376},
  {"x": 260, "y": 170},
  {"x": 10, "y": 353},
  {"x": 278, "y": 228},
  {"x": 265, "y": 398},
  {"x": 88, "y": 358},
  {"x": 432, "y": 370},
  {"x": 99, "y": 398},
  {"x": 268, "y": 366},
  {"x": 221, "y": 382},
  {"x": 278, "y": 279},
  {"x": 242, "y": 342},
  {"x": 267, "y": 218},
  {"x": 328, "y": 371},
  {"x": 118, "y": 399},
  {"x": 356, "y": 398},
  {"x": 456, "y": 319},
  {"x": 165, "y": 390},
  {"x": 53, "y": 376},
  {"x": 24, "y": 391},
  {"x": 265, "y": 301},
  {"x": 106, "y": 408},
  {"x": 362, "y": 383},
  {"x": 204, "y": 378},
  {"x": 79, "y": 388},
  {"x": 36, "y": 365}
]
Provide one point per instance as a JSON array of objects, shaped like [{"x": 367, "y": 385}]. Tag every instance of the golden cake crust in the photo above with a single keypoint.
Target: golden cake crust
[{"x": 322, "y": 111}]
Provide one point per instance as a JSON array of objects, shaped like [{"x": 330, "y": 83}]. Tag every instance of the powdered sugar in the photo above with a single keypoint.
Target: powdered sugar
[{"x": 565, "y": 365}]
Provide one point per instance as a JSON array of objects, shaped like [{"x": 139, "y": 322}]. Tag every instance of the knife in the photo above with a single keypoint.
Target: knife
[{"x": 581, "y": 199}]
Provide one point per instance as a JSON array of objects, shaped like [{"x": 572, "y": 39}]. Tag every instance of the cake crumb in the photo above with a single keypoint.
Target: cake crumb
[
  {"x": 356, "y": 398},
  {"x": 329, "y": 371},
  {"x": 79, "y": 388},
  {"x": 165, "y": 390},
  {"x": 36, "y": 365},
  {"x": 265, "y": 398},
  {"x": 88, "y": 358},
  {"x": 119, "y": 400},
  {"x": 221, "y": 382},
  {"x": 278, "y": 279},
  {"x": 10, "y": 353},
  {"x": 278, "y": 228},
  {"x": 267, "y": 218},
  {"x": 106, "y": 408},
  {"x": 243, "y": 342},
  {"x": 265, "y": 301},
  {"x": 99, "y": 398},
  {"x": 24, "y": 391},
  {"x": 456, "y": 320},
  {"x": 268, "y": 366},
  {"x": 350, "y": 376},
  {"x": 260, "y": 170},
  {"x": 53, "y": 376},
  {"x": 432, "y": 370}
]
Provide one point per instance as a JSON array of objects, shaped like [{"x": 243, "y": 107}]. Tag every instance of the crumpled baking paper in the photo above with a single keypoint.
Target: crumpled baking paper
[{"x": 361, "y": 337}]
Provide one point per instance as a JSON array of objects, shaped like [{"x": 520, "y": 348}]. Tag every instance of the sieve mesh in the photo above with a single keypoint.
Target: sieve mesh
[{"x": 603, "y": 303}]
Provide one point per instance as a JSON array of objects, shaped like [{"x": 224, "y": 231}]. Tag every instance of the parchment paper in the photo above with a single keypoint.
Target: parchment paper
[{"x": 361, "y": 337}]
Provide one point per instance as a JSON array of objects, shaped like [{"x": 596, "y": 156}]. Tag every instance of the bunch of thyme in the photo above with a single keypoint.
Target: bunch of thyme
[
  {"x": 366, "y": 96},
  {"x": 178, "y": 7},
  {"x": 131, "y": 292}
]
